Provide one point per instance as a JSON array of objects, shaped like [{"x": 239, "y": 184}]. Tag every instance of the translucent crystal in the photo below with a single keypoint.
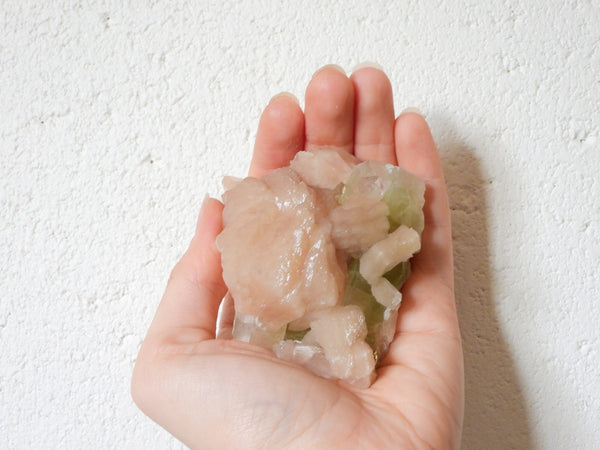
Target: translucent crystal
[
  {"x": 386, "y": 254},
  {"x": 278, "y": 258},
  {"x": 359, "y": 223},
  {"x": 314, "y": 256}
]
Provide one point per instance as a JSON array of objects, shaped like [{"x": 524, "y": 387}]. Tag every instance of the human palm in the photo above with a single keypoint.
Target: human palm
[{"x": 217, "y": 393}]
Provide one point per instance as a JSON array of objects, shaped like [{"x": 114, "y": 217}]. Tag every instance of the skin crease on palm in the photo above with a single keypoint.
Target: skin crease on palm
[{"x": 215, "y": 393}]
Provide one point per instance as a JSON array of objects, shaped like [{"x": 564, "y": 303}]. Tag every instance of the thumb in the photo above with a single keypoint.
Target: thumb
[{"x": 188, "y": 310}]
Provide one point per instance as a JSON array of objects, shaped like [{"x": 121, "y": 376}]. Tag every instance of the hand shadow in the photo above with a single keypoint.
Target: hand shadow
[{"x": 495, "y": 409}]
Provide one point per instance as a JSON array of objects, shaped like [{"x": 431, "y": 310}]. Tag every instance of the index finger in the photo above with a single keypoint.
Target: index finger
[{"x": 280, "y": 135}]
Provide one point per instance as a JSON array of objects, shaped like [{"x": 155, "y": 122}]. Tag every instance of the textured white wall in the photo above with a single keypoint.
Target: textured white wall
[{"x": 115, "y": 121}]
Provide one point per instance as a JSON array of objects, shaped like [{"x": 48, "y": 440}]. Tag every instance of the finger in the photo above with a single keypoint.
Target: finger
[
  {"x": 416, "y": 152},
  {"x": 188, "y": 310},
  {"x": 425, "y": 356},
  {"x": 280, "y": 135},
  {"x": 329, "y": 110},
  {"x": 225, "y": 318},
  {"x": 373, "y": 115}
]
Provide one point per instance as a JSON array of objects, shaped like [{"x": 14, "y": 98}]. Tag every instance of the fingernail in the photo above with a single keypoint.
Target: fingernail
[
  {"x": 330, "y": 66},
  {"x": 366, "y": 64},
  {"x": 202, "y": 210},
  {"x": 411, "y": 109},
  {"x": 204, "y": 204},
  {"x": 205, "y": 200},
  {"x": 287, "y": 95}
]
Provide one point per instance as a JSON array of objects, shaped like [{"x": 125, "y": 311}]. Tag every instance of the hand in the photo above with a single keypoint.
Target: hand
[{"x": 227, "y": 394}]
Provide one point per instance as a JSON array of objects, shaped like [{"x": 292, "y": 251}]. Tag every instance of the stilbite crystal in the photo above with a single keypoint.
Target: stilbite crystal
[{"x": 314, "y": 255}]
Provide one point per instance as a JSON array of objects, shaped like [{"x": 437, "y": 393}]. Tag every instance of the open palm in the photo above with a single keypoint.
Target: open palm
[{"x": 215, "y": 393}]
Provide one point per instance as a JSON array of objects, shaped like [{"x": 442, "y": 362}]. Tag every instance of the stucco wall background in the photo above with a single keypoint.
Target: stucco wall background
[{"x": 116, "y": 118}]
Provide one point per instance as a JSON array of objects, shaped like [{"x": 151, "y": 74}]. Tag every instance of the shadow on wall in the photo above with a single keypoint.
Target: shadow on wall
[{"x": 495, "y": 410}]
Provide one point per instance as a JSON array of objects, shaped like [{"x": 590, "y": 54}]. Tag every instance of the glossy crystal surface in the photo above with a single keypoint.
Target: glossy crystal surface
[{"x": 314, "y": 256}]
